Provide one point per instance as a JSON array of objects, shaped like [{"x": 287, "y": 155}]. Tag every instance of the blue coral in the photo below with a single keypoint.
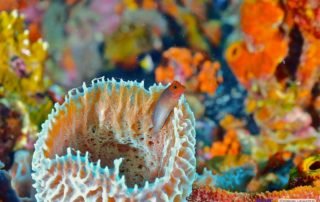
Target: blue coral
[{"x": 235, "y": 179}]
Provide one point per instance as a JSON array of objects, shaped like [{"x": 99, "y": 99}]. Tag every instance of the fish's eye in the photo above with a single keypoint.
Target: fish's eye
[{"x": 174, "y": 87}]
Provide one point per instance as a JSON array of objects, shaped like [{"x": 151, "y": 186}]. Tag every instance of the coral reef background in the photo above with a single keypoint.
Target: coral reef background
[{"x": 247, "y": 127}]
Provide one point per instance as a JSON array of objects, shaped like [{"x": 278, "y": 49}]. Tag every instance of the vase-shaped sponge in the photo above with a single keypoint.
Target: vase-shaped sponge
[{"x": 99, "y": 146}]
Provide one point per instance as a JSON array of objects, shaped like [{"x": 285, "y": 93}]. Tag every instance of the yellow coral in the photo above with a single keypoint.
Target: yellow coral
[
  {"x": 15, "y": 43},
  {"x": 22, "y": 78},
  {"x": 311, "y": 166},
  {"x": 126, "y": 44}
]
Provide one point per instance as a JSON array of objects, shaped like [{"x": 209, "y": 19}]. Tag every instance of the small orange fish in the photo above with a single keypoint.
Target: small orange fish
[{"x": 167, "y": 101}]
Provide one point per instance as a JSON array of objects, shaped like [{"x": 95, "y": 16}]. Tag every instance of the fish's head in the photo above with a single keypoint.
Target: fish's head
[{"x": 177, "y": 89}]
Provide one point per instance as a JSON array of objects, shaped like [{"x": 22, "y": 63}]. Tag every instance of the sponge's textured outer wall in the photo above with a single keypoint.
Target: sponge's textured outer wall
[{"x": 99, "y": 146}]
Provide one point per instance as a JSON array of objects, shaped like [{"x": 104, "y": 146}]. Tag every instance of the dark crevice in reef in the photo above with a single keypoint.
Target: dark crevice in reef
[
  {"x": 315, "y": 166},
  {"x": 288, "y": 67},
  {"x": 311, "y": 109}
]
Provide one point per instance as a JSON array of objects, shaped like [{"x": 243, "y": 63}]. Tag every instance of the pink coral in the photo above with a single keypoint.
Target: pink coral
[{"x": 109, "y": 20}]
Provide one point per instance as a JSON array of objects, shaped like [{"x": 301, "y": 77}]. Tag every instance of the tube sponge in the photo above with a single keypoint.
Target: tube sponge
[{"x": 99, "y": 146}]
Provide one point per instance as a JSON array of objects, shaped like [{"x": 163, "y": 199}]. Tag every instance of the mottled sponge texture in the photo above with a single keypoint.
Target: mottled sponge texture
[{"x": 99, "y": 146}]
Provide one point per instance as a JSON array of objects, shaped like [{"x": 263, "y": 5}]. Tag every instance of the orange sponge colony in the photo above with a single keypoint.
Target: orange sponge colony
[
  {"x": 99, "y": 146},
  {"x": 230, "y": 145},
  {"x": 264, "y": 45},
  {"x": 194, "y": 70}
]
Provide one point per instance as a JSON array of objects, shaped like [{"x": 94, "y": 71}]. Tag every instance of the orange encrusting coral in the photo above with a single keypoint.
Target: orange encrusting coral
[
  {"x": 260, "y": 19},
  {"x": 12, "y": 4},
  {"x": 194, "y": 70},
  {"x": 230, "y": 145},
  {"x": 208, "y": 83},
  {"x": 181, "y": 57},
  {"x": 35, "y": 31},
  {"x": 206, "y": 193},
  {"x": 306, "y": 13},
  {"x": 164, "y": 74}
]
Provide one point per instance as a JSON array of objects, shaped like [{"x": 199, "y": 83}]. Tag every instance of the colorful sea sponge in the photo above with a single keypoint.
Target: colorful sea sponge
[
  {"x": 230, "y": 145},
  {"x": 260, "y": 19},
  {"x": 261, "y": 64},
  {"x": 283, "y": 123},
  {"x": 263, "y": 46},
  {"x": 98, "y": 145}
]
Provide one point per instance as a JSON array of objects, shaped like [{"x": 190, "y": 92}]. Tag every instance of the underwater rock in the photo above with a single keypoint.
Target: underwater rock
[{"x": 98, "y": 146}]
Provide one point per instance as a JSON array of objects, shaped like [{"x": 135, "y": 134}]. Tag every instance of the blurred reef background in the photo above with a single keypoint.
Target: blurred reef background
[{"x": 251, "y": 69}]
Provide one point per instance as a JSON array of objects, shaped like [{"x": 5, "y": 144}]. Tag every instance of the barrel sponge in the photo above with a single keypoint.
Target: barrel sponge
[{"x": 99, "y": 146}]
